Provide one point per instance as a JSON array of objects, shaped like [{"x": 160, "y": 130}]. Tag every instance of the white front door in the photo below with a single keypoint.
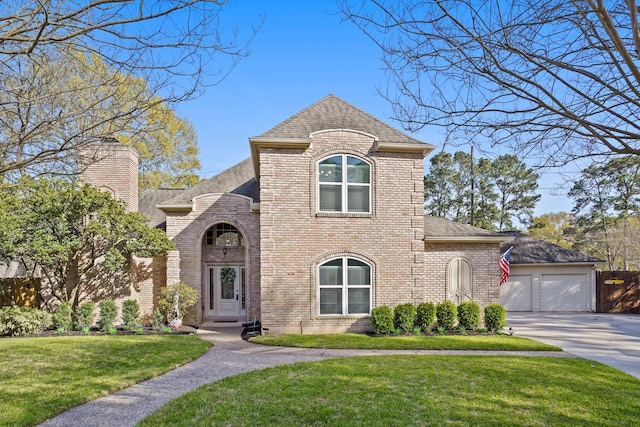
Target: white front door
[{"x": 225, "y": 291}]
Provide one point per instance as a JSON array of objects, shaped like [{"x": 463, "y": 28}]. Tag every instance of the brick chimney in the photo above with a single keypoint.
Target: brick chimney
[{"x": 113, "y": 167}]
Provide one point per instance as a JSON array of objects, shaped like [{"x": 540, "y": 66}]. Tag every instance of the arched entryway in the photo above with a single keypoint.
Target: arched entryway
[{"x": 224, "y": 285}]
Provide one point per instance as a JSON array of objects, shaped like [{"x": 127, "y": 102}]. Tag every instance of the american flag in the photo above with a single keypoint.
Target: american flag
[{"x": 505, "y": 263}]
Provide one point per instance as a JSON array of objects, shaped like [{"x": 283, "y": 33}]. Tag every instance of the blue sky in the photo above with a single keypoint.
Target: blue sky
[{"x": 302, "y": 53}]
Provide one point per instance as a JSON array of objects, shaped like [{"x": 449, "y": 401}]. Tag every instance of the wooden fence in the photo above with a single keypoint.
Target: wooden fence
[{"x": 618, "y": 291}]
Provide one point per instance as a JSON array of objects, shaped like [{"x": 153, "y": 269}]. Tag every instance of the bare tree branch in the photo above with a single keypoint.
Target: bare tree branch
[
  {"x": 75, "y": 71},
  {"x": 557, "y": 80}
]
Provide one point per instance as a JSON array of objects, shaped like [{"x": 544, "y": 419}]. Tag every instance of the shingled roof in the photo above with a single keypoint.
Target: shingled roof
[
  {"x": 442, "y": 230},
  {"x": 332, "y": 112},
  {"x": 238, "y": 179},
  {"x": 150, "y": 198},
  {"x": 529, "y": 250}
]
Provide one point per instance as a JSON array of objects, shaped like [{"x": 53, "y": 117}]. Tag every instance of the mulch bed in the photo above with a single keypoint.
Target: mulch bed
[{"x": 183, "y": 330}]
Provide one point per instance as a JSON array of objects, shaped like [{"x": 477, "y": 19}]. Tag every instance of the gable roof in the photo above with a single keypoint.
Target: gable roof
[
  {"x": 238, "y": 179},
  {"x": 529, "y": 250},
  {"x": 332, "y": 113},
  {"x": 442, "y": 230}
]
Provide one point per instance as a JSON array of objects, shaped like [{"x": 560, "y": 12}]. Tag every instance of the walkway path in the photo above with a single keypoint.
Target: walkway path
[{"x": 230, "y": 356}]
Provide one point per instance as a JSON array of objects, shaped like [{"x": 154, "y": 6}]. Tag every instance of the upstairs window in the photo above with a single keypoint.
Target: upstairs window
[
  {"x": 224, "y": 235},
  {"x": 344, "y": 185}
]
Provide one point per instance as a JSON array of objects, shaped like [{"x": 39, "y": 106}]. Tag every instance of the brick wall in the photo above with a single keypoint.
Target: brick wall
[
  {"x": 115, "y": 170},
  {"x": 295, "y": 239},
  {"x": 485, "y": 272},
  {"x": 187, "y": 230}
]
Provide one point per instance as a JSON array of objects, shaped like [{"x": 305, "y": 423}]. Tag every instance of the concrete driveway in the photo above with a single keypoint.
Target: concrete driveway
[{"x": 612, "y": 339}]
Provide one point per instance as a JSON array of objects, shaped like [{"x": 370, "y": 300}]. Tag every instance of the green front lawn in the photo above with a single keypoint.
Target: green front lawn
[
  {"x": 415, "y": 390},
  {"x": 408, "y": 342},
  {"x": 43, "y": 377}
]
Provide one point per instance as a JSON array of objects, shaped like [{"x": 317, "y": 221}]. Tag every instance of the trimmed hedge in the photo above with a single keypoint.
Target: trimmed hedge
[
  {"x": 130, "y": 315},
  {"x": 495, "y": 317},
  {"x": 446, "y": 313},
  {"x": 63, "y": 317},
  {"x": 108, "y": 313},
  {"x": 404, "y": 317},
  {"x": 425, "y": 315},
  {"x": 382, "y": 320},
  {"x": 84, "y": 315},
  {"x": 469, "y": 315}
]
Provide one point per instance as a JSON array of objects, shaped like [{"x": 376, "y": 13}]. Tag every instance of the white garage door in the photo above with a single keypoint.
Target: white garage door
[
  {"x": 563, "y": 292},
  {"x": 515, "y": 295}
]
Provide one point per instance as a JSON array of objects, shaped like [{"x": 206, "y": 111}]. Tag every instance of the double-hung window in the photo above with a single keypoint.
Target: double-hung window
[
  {"x": 344, "y": 185},
  {"x": 344, "y": 287}
]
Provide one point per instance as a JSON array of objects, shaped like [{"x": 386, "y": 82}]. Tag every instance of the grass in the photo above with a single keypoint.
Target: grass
[
  {"x": 415, "y": 390},
  {"x": 43, "y": 377},
  {"x": 409, "y": 342}
]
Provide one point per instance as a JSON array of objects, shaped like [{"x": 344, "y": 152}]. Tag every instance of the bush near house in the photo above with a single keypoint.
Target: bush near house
[
  {"x": 108, "y": 313},
  {"x": 84, "y": 315},
  {"x": 63, "y": 319},
  {"x": 425, "y": 315},
  {"x": 17, "y": 321},
  {"x": 404, "y": 316},
  {"x": 469, "y": 315},
  {"x": 495, "y": 317},
  {"x": 446, "y": 314},
  {"x": 130, "y": 315},
  {"x": 382, "y": 320},
  {"x": 187, "y": 298}
]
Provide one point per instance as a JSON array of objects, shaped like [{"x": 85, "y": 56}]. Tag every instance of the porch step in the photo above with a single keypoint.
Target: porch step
[{"x": 210, "y": 324}]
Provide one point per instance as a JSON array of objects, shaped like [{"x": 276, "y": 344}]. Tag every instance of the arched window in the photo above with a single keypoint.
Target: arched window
[
  {"x": 223, "y": 234},
  {"x": 344, "y": 184},
  {"x": 460, "y": 286},
  {"x": 344, "y": 287}
]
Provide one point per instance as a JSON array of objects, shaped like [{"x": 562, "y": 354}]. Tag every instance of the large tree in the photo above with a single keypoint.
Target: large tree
[
  {"x": 553, "y": 79},
  {"x": 606, "y": 207},
  {"x": 504, "y": 190},
  {"x": 103, "y": 49},
  {"x": 81, "y": 241},
  {"x": 552, "y": 227},
  {"x": 447, "y": 186}
]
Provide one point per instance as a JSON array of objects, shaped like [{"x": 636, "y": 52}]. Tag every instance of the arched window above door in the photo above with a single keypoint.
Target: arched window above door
[{"x": 224, "y": 235}]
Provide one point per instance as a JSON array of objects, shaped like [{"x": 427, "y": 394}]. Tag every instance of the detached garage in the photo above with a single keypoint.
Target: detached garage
[{"x": 547, "y": 277}]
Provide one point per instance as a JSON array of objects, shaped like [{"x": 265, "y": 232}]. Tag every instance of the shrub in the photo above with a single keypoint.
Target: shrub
[
  {"x": 446, "y": 314},
  {"x": 159, "y": 321},
  {"x": 63, "y": 318},
  {"x": 495, "y": 317},
  {"x": 187, "y": 298},
  {"x": 382, "y": 320},
  {"x": 108, "y": 313},
  {"x": 469, "y": 315},
  {"x": 425, "y": 315},
  {"x": 404, "y": 317},
  {"x": 24, "y": 321},
  {"x": 130, "y": 314},
  {"x": 84, "y": 315}
]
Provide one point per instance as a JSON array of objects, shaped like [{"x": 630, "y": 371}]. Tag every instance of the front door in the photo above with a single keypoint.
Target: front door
[{"x": 225, "y": 291}]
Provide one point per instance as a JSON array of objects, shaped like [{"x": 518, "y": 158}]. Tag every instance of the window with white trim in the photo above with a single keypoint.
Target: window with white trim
[
  {"x": 344, "y": 287},
  {"x": 344, "y": 184}
]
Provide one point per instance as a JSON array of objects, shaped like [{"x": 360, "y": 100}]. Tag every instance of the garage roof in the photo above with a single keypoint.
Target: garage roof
[
  {"x": 529, "y": 250},
  {"x": 442, "y": 230}
]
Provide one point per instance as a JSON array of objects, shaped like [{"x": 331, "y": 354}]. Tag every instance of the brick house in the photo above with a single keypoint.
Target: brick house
[{"x": 324, "y": 222}]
